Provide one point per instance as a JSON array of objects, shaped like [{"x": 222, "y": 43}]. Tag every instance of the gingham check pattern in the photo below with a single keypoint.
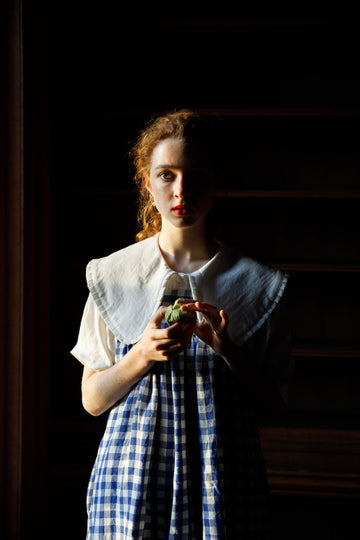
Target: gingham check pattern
[{"x": 158, "y": 472}]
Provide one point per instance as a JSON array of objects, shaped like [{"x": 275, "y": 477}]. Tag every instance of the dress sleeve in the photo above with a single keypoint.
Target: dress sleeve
[
  {"x": 96, "y": 345},
  {"x": 279, "y": 361},
  {"x": 271, "y": 347}
]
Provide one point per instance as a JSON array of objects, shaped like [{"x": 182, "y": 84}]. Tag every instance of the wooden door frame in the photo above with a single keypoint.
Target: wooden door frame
[{"x": 24, "y": 306}]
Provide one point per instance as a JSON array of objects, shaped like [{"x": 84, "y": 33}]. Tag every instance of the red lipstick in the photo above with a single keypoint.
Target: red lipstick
[{"x": 180, "y": 210}]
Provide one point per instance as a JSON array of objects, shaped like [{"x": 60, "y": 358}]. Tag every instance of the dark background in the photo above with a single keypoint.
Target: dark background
[{"x": 287, "y": 90}]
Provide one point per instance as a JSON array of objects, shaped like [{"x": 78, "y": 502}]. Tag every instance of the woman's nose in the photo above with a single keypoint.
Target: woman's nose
[{"x": 181, "y": 188}]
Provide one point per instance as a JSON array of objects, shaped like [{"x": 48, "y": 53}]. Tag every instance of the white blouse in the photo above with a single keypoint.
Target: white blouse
[{"x": 127, "y": 287}]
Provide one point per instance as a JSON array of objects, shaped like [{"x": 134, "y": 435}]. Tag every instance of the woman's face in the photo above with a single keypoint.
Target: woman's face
[{"x": 182, "y": 183}]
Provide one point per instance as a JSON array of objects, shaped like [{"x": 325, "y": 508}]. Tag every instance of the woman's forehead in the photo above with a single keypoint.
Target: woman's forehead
[{"x": 178, "y": 153}]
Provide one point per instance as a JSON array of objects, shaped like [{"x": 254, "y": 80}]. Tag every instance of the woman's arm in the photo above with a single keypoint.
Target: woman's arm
[{"x": 101, "y": 389}]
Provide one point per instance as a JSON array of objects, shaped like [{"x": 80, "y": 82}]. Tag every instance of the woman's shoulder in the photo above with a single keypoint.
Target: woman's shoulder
[
  {"x": 249, "y": 290},
  {"x": 128, "y": 278},
  {"x": 235, "y": 261}
]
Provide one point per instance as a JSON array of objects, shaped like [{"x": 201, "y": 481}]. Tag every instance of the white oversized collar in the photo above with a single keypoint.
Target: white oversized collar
[{"x": 128, "y": 287}]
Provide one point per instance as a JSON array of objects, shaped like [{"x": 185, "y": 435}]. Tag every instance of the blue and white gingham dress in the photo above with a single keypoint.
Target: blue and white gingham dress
[{"x": 172, "y": 464}]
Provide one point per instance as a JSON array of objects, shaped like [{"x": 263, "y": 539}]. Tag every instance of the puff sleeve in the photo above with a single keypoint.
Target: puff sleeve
[
  {"x": 96, "y": 346},
  {"x": 271, "y": 347}
]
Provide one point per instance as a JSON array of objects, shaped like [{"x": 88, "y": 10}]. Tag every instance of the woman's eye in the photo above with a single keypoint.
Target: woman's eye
[{"x": 166, "y": 175}]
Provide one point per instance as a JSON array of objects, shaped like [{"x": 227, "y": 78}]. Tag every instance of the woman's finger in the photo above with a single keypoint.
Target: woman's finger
[
  {"x": 167, "y": 349},
  {"x": 156, "y": 319},
  {"x": 225, "y": 317},
  {"x": 203, "y": 307},
  {"x": 210, "y": 312}
]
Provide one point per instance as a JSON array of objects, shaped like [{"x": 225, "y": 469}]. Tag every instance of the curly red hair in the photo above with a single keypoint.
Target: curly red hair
[{"x": 184, "y": 125}]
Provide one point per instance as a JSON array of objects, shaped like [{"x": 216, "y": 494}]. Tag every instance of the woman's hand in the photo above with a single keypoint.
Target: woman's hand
[
  {"x": 101, "y": 389},
  {"x": 213, "y": 327},
  {"x": 161, "y": 344}
]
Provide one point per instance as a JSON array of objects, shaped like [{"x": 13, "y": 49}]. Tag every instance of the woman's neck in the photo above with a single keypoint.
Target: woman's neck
[{"x": 186, "y": 250}]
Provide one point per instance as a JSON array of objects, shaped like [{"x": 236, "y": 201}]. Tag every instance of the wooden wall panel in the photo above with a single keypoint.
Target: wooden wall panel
[
  {"x": 289, "y": 100},
  {"x": 312, "y": 462}
]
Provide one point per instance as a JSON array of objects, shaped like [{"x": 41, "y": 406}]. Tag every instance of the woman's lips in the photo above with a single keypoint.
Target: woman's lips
[{"x": 180, "y": 210}]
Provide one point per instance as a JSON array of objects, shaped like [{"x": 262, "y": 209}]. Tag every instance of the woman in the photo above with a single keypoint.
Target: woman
[{"x": 180, "y": 457}]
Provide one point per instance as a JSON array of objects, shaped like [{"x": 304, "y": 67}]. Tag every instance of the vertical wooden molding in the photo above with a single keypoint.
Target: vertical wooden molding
[
  {"x": 24, "y": 271},
  {"x": 12, "y": 268}
]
